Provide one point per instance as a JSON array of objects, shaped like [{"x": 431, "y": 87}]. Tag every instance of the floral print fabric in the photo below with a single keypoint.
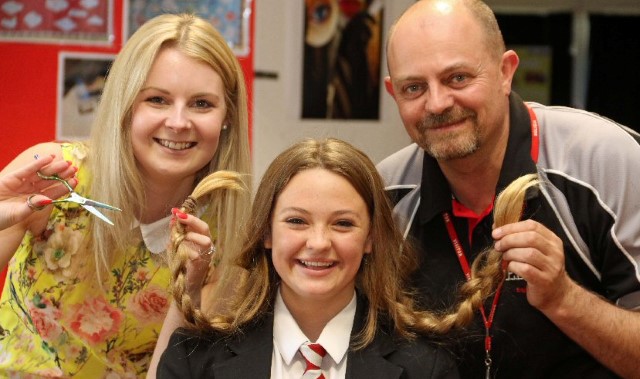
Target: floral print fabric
[{"x": 55, "y": 321}]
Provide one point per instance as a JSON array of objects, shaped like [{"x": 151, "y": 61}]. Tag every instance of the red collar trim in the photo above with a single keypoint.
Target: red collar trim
[{"x": 459, "y": 210}]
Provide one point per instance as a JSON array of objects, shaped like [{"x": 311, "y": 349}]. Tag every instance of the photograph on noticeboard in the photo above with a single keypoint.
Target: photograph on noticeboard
[
  {"x": 342, "y": 53},
  {"x": 81, "y": 78}
]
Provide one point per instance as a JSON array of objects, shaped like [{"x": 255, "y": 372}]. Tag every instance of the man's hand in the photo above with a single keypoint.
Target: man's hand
[{"x": 537, "y": 255}]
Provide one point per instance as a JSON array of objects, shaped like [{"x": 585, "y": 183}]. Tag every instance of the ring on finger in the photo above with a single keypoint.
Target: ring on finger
[
  {"x": 209, "y": 251},
  {"x": 32, "y": 206}
]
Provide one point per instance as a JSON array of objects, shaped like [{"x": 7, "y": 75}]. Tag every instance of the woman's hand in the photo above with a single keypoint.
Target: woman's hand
[
  {"x": 201, "y": 250},
  {"x": 22, "y": 191}
]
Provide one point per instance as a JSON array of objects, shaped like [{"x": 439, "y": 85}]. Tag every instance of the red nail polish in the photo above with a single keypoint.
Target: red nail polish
[
  {"x": 44, "y": 202},
  {"x": 174, "y": 211},
  {"x": 182, "y": 215}
]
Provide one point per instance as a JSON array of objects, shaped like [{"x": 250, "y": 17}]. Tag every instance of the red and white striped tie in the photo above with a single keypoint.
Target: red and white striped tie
[{"x": 313, "y": 354}]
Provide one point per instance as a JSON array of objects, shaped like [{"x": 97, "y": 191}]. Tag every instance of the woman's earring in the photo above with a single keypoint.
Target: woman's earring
[{"x": 224, "y": 126}]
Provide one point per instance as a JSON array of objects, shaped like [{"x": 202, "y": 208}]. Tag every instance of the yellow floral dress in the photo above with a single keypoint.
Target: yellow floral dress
[{"x": 56, "y": 323}]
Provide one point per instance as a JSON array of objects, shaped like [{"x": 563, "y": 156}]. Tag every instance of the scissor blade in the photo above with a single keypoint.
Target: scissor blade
[
  {"x": 98, "y": 204},
  {"x": 98, "y": 214}
]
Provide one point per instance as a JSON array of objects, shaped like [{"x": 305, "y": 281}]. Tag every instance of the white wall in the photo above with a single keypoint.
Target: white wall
[
  {"x": 277, "y": 102},
  {"x": 279, "y": 49}
]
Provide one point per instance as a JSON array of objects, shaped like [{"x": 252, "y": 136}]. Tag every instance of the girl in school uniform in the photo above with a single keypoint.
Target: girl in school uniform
[{"x": 323, "y": 264}]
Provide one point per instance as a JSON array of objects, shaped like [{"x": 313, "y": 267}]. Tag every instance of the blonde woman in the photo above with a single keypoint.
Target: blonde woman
[{"x": 87, "y": 299}]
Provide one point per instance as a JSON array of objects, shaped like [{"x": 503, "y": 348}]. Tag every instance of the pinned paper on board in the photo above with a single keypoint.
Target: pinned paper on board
[
  {"x": 229, "y": 17},
  {"x": 57, "y": 21},
  {"x": 81, "y": 79}
]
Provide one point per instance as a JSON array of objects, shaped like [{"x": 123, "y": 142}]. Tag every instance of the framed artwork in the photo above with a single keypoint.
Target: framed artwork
[
  {"x": 229, "y": 17},
  {"x": 532, "y": 79},
  {"x": 342, "y": 55},
  {"x": 81, "y": 78},
  {"x": 57, "y": 21}
]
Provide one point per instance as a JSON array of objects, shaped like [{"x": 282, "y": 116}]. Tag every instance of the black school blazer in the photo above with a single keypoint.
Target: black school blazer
[{"x": 248, "y": 355}]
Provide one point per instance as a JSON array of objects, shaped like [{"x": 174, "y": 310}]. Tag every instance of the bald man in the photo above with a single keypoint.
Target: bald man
[{"x": 568, "y": 307}]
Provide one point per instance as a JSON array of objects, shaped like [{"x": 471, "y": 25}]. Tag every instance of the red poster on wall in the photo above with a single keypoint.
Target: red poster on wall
[{"x": 56, "y": 20}]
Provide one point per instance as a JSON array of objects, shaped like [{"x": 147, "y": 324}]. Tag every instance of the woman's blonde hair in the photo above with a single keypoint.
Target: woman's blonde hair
[
  {"x": 116, "y": 178},
  {"x": 382, "y": 274}
]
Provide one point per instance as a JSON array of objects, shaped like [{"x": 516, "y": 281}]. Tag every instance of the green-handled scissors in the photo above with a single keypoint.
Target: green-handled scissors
[{"x": 87, "y": 204}]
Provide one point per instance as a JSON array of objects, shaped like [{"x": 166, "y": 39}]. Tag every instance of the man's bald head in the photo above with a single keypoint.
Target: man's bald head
[{"x": 479, "y": 11}]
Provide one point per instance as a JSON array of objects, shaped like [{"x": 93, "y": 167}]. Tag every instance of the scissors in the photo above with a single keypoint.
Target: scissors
[{"x": 87, "y": 204}]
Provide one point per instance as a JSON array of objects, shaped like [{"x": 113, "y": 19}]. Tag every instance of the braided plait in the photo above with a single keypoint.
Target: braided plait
[
  {"x": 487, "y": 271},
  {"x": 221, "y": 181}
]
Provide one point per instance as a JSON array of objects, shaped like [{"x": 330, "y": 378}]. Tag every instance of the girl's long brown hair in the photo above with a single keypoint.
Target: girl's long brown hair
[{"x": 381, "y": 279}]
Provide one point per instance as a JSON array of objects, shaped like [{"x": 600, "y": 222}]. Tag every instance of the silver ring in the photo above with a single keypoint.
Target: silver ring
[
  {"x": 34, "y": 207},
  {"x": 209, "y": 251}
]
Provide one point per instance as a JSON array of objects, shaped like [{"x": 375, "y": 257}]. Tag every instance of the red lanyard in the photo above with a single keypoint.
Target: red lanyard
[
  {"x": 535, "y": 137},
  {"x": 464, "y": 263}
]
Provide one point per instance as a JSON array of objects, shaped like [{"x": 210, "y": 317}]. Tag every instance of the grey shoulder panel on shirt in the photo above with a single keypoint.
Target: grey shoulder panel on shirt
[
  {"x": 403, "y": 167},
  {"x": 402, "y": 174},
  {"x": 599, "y": 157}
]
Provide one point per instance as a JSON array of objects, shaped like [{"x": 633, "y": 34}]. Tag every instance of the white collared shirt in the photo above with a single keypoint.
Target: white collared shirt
[
  {"x": 156, "y": 234},
  {"x": 287, "y": 362}
]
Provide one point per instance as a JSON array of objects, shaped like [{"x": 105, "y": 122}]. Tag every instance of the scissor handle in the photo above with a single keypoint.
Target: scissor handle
[{"x": 55, "y": 177}]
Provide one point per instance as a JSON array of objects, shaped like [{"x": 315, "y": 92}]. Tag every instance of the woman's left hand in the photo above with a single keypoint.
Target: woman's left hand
[{"x": 201, "y": 250}]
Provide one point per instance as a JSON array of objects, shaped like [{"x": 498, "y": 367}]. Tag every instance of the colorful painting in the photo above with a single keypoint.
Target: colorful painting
[
  {"x": 70, "y": 21},
  {"x": 341, "y": 73},
  {"x": 230, "y": 17}
]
